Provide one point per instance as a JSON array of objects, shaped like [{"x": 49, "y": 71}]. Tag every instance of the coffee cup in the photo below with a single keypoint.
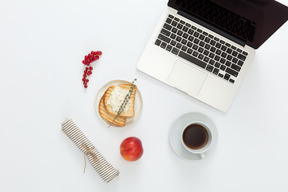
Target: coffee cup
[{"x": 197, "y": 138}]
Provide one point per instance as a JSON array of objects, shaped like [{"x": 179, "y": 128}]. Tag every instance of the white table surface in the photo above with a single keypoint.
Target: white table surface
[{"x": 42, "y": 44}]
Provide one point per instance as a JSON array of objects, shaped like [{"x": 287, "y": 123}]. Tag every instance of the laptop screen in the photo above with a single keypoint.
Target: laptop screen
[{"x": 251, "y": 21}]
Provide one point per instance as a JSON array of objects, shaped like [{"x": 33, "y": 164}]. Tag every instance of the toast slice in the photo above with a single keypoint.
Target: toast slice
[
  {"x": 130, "y": 106},
  {"x": 119, "y": 121}
]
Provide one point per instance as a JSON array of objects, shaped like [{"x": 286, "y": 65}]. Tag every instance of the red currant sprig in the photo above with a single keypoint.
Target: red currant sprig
[{"x": 88, "y": 59}]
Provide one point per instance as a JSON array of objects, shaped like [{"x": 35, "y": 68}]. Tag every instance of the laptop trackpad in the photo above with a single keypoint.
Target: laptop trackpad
[{"x": 186, "y": 78}]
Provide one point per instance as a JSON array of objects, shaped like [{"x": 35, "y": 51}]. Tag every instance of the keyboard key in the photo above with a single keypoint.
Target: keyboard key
[
  {"x": 195, "y": 53},
  {"x": 185, "y": 35},
  {"x": 178, "y": 38},
  {"x": 211, "y": 62},
  {"x": 192, "y": 59},
  {"x": 185, "y": 29},
  {"x": 196, "y": 34},
  {"x": 201, "y": 37},
  {"x": 191, "y": 38},
  {"x": 189, "y": 44},
  {"x": 234, "y": 53},
  {"x": 222, "y": 61},
  {"x": 232, "y": 72},
  {"x": 173, "y": 43},
  {"x": 207, "y": 46},
  {"x": 167, "y": 26},
  {"x": 209, "y": 68},
  {"x": 180, "y": 33},
  {"x": 195, "y": 47},
  {"x": 165, "y": 32},
  {"x": 231, "y": 80},
  {"x": 223, "y": 54},
  {"x": 174, "y": 30},
  {"x": 168, "y": 20},
  {"x": 229, "y": 51},
  {"x": 236, "y": 67},
  {"x": 218, "y": 52},
  {"x": 216, "y": 71},
  {"x": 211, "y": 55},
  {"x": 228, "y": 63},
  {"x": 169, "y": 48},
  {"x": 175, "y": 51},
  {"x": 227, "y": 76},
  {"x": 179, "y": 26},
  {"x": 157, "y": 42},
  {"x": 184, "y": 41},
  {"x": 223, "y": 48},
  {"x": 229, "y": 57},
  {"x": 242, "y": 57},
  {"x": 172, "y": 36},
  {"x": 163, "y": 45},
  {"x": 200, "y": 56},
  {"x": 164, "y": 38},
  {"x": 222, "y": 67},
  {"x": 184, "y": 48},
  {"x": 207, "y": 40},
  {"x": 201, "y": 44},
  {"x": 235, "y": 60},
  {"x": 174, "y": 23},
  {"x": 212, "y": 42},
  {"x": 240, "y": 63},
  {"x": 206, "y": 59}
]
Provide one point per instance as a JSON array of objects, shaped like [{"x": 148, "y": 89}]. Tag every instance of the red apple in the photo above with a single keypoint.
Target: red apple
[{"x": 131, "y": 149}]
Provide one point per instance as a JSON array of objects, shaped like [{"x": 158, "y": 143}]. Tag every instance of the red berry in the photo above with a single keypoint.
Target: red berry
[
  {"x": 98, "y": 53},
  {"x": 90, "y": 68}
]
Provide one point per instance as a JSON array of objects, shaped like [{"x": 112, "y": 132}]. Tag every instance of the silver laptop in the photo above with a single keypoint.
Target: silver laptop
[{"x": 204, "y": 47}]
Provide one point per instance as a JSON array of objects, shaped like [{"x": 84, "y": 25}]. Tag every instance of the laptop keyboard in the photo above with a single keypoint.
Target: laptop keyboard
[{"x": 201, "y": 48}]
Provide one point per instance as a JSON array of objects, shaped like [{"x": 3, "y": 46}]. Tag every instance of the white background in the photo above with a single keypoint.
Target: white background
[{"x": 42, "y": 44}]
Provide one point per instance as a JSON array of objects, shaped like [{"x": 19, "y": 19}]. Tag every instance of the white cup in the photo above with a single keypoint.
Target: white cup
[{"x": 198, "y": 138}]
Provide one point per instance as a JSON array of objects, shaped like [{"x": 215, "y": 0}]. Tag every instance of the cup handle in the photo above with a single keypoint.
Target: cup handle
[{"x": 202, "y": 155}]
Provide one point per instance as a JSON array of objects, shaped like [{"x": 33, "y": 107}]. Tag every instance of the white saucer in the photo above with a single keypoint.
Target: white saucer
[
  {"x": 137, "y": 107},
  {"x": 176, "y": 131}
]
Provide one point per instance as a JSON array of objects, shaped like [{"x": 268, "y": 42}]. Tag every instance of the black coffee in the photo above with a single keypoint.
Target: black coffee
[{"x": 195, "y": 136}]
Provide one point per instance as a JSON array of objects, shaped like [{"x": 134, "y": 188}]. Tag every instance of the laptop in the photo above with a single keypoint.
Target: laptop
[{"x": 204, "y": 47}]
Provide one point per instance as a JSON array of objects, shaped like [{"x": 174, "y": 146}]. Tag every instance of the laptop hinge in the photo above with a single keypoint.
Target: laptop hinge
[{"x": 212, "y": 28}]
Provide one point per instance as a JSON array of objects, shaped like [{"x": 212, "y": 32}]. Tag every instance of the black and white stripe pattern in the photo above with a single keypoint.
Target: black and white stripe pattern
[{"x": 105, "y": 170}]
